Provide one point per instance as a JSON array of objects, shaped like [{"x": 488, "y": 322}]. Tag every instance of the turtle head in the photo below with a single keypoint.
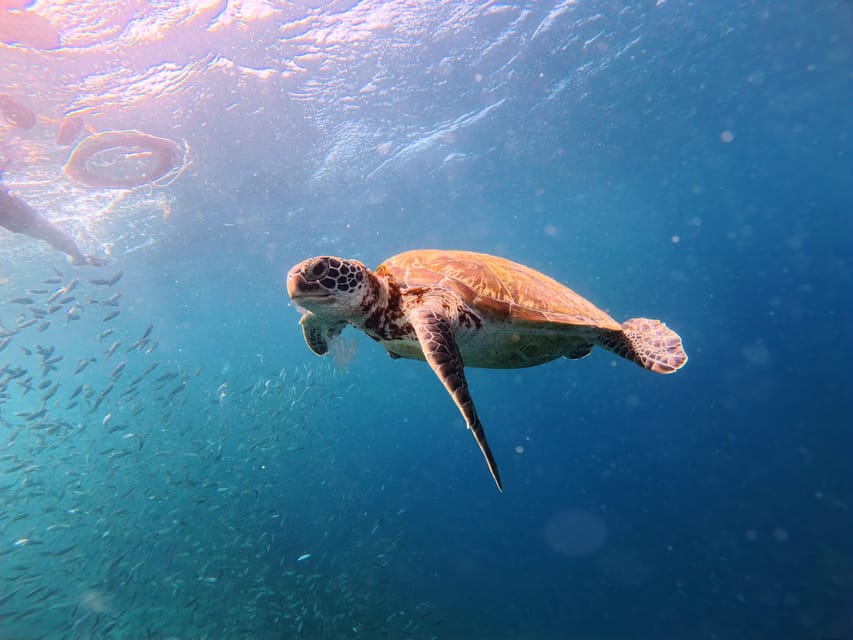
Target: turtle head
[{"x": 331, "y": 288}]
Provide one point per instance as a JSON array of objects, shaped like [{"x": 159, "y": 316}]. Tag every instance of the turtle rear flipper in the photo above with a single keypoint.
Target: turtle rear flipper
[{"x": 649, "y": 343}]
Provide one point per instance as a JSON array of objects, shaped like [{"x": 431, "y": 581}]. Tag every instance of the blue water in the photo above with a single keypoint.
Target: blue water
[{"x": 677, "y": 160}]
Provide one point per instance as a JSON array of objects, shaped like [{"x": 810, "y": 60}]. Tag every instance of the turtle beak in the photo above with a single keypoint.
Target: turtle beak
[
  {"x": 294, "y": 280},
  {"x": 299, "y": 288}
]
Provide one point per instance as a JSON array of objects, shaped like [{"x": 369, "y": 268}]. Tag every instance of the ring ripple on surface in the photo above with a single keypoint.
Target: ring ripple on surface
[{"x": 167, "y": 153}]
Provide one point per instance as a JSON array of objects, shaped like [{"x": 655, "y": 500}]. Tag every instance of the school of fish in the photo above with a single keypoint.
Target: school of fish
[{"x": 144, "y": 497}]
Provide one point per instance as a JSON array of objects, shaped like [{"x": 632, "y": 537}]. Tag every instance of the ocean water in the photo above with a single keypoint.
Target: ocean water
[{"x": 198, "y": 473}]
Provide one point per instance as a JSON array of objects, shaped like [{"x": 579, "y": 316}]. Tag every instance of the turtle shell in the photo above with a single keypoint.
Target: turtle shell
[{"x": 497, "y": 287}]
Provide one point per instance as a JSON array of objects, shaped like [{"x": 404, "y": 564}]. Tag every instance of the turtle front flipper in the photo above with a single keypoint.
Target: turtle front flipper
[
  {"x": 318, "y": 333},
  {"x": 442, "y": 354}
]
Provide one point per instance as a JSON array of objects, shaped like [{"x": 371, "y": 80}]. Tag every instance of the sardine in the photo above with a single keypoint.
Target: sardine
[
  {"x": 118, "y": 369},
  {"x": 35, "y": 415},
  {"x": 82, "y": 364},
  {"x": 148, "y": 370},
  {"x": 56, "y": 295},
  {"x": 50, "y": 393},
  {"x": 112, "y": 348},
  {"x": 71, "y": 284},
  {"x": 177, "y": 390}
]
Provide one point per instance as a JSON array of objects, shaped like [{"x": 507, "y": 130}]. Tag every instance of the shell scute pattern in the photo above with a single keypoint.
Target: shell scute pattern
[{"x": 497, "y": 287}]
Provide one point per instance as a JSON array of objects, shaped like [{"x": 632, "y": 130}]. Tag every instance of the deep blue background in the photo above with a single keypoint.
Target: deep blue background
[{"x": 702, "y": 175}]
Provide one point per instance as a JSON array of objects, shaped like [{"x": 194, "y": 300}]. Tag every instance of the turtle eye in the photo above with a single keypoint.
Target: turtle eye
[{"x": 316, "y": 269}]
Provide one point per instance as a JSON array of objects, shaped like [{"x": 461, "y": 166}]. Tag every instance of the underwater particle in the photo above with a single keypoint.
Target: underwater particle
[
  {"x": 303, "y": 557},
  {"x": 756, "y": 78},
  {"x": 551, "y": 230},
  {"x": 94, "y": 600},
  {"x": 676, "y": 239},
  {"x": 751, "y": 535},
  {"x": 519, "y": 449},
  {"x": 780, "y": 535},
  {"x": 624, "y": 567},
  {"x": 757, "y": 353},
  {"x": 633, "y": 400},
  {"x": 575, "y": 533},
  {"x": 727, "y": 136}
]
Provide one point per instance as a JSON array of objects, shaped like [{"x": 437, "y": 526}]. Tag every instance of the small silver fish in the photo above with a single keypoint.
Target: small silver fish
[
  {"x": 82, "y": 364},
  {"x": 68, "y": 288},
  {"x": 118, "y": 369}
]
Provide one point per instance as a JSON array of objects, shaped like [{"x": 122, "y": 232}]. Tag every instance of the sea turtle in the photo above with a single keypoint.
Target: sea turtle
[{"x": 458, "y": 308}]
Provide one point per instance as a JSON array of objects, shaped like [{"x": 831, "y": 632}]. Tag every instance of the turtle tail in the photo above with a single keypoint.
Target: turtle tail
[{"x": 649, "y": 343}]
